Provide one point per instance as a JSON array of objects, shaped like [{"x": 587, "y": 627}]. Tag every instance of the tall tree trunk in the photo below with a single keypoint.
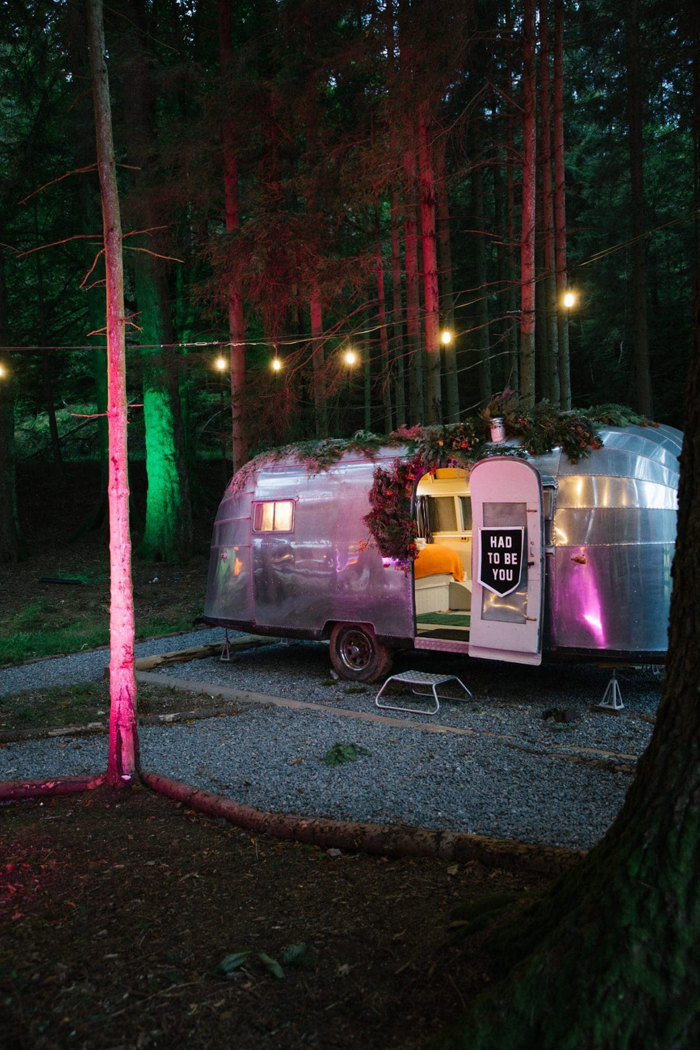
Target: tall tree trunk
[
  {"x": 96, "y": 335},
  {"x": 413, "y": 331},
  {"x": 481, "y": 314},
  {"x": 397, "y": 328},
  {"x": 123, "y": 757},
  {"x": 383, "y": 337},
  {"x": 447, "y": 295},
  {"x": 320, "y": 401},
  {"x": 234, "y": 297},
  {"x": 527, "y": 239},
  {"x": 560, "y": 208},
  {"x": 615, "y": 939},
  {"x": 167, "y": 534},
  {"x": 553, "y": 391},
  {"x": 10, "y": 547},
  {"x": 635, "y": 108},
  {"x": 366, "y": 384},
  {"x": 511, "y": 268},
  {"x": 431, "y": 296}
]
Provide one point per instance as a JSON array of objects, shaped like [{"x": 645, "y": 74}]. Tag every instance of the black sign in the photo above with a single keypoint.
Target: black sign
[{"x": 500, "y": 559}]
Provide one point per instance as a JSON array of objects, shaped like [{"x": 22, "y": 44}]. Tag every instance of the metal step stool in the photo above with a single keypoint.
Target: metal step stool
[{"x": 421, "y": 678}]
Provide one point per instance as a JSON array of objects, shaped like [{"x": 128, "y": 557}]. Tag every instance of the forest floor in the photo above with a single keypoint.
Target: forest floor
[{"x": 130, "y": 921}]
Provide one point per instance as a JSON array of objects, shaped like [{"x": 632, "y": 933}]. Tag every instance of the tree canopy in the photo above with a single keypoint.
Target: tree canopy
[{"x": 299, "y": 180}]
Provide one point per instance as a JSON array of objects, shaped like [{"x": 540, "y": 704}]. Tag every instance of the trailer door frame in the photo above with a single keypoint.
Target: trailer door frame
[{"x": 507, "y": 561}]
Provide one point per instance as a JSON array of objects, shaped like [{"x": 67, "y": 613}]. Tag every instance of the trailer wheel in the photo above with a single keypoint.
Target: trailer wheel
[{"x": 356, "y": 654}]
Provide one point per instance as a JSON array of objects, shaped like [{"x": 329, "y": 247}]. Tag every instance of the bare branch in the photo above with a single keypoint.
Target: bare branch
[
  {"x": 68, "y": 174},
  {"x": 156, "y": 255},
  {"x": 66, "y": 240}
]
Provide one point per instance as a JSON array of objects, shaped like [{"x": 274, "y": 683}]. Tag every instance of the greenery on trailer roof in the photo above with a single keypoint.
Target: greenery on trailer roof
[{"x": 537, "y": 433}]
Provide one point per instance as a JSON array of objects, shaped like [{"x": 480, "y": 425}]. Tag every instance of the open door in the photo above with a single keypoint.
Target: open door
[{"x": 507, "y": 561}]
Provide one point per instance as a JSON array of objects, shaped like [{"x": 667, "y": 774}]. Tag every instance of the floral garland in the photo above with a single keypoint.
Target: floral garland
[
  {"x": 425, "y": 448},
  {"x": 390, "y": 521}
]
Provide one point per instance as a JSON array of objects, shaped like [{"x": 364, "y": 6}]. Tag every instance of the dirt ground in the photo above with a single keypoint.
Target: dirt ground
[
  {"x": 123, "y": 916},
  {"x": 129, "y": 921}
]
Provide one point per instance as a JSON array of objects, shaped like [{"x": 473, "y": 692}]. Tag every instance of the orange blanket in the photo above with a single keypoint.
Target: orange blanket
[{"x": 434, "y": 559}]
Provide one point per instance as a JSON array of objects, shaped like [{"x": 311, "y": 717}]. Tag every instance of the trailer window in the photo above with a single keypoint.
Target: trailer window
[
  {"x": 274, "y": 516},
  {"x": 466, "y": 505},
  {"x": 443, "y": 516}
]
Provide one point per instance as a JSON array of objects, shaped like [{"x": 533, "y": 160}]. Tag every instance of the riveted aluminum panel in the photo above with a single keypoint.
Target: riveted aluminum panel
[
  {"x": 612, "y": 543},
  {"x": 323, "y": 570}
]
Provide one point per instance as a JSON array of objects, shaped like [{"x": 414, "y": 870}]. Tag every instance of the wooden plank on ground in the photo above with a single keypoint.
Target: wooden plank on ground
[{"x": 202, "y": 652}]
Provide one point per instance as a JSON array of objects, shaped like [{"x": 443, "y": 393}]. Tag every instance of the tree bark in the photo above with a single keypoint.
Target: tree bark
[
  {"x": 398, "y": 355},
  {"x": 560, "y": 208},
  {"x": 553, "y": 391},
  {"x": 527, "y": 238},
  {"x": 610, "y": 955},
  {"x": 320, "y": 401},
  {"x": 481, "y": 312},
  {"x": 413, "y": 336},
  {"x": 234, "y": 298},
  {"x": 431, "y": 297},
  {"x": 123, "y": 757},
  {"x": 447, "y": 296},
  {"x": 167, "y": 533},
  {"x": 383, "y": 337},
  {"x": 635, "y": 108}
]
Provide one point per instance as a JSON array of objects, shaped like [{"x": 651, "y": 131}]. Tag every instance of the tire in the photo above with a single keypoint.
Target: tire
[{"x": 357, "y": 655}]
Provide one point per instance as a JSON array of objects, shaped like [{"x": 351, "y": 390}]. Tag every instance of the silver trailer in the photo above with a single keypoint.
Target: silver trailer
[{"x": 519, "y": 557}]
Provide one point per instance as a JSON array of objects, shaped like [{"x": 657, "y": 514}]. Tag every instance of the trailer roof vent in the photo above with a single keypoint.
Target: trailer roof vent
[{"x": 498, "y": 430}]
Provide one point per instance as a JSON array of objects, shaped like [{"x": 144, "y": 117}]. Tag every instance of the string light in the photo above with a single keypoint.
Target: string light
[
  {"x": 446, "y": 337},
  {"x": 350, "y": 358},
  {"x": 276, "y": 364},
  {"x": 220, "y": 363},
  {"x": 569, "y": 299}
]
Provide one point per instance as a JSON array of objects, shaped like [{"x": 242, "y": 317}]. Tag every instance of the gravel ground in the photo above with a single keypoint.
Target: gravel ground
[
  {"x": 529, "y": 758},
  {"x": 89, "y": 666}
]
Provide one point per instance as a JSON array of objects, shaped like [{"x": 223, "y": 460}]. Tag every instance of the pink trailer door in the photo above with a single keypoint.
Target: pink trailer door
[{"x": 507, "y": 561}]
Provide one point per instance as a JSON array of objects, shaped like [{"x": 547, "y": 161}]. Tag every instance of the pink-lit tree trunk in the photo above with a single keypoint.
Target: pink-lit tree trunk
[
  {"x": 447, "y": 296},
  {"x": 232, "y": 216},
  {"x": 550, "y": 280},
  {"x": 413, "y": 339},
  {"x": 431, "y": 299},
  {"x": 397, "y": 309},
  {"x": 527, "y": 240},
  {"x": 123, "y": 759},
  {"x": 320, "y": 401},
  {"x": 560, "y": 205}
]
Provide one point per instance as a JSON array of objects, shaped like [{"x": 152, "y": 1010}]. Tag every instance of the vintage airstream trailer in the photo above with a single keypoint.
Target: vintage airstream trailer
[{"x": 519, "y": 558}]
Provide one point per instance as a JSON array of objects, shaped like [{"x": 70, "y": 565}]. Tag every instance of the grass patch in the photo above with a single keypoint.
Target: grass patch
[
  {"x": 43, "y": 630},
  {"x": 19, "y": 646}
]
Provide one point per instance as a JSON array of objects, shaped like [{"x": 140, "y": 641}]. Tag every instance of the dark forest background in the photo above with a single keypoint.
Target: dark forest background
[{"x": 299, "y": 179}]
